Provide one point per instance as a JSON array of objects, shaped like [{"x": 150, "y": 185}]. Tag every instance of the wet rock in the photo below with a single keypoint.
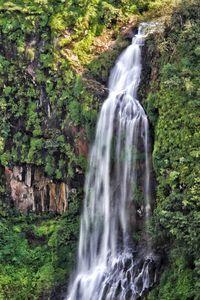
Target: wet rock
[{"x": 81, "y": 143}]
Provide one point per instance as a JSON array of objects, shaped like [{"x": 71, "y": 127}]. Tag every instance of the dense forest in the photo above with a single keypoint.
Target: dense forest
[{"x": 55, "y": 59}]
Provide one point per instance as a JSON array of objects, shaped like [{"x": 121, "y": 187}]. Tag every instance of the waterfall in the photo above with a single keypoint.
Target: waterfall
[{"x": 111, "y": 265}]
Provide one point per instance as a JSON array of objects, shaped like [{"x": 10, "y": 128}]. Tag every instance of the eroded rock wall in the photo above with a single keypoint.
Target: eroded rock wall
[{"x": 31, "y": 190}]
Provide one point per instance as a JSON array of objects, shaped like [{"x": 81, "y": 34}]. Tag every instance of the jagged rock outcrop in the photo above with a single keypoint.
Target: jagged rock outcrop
[{"x": 31, "y": 190}]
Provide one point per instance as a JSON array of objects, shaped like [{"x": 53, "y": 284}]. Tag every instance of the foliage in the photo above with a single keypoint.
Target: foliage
[
  {"x": 174, "y": 114},
  {"x": 44, "y": 104},
  {"x": 177, "y": 282},
  {"x": 37, "y": 253},
  {"x": 47, "y": 47}
]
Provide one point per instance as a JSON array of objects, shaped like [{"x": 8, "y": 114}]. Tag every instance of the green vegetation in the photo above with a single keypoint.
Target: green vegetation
[
  {"x": 48, "y": 49},
  {"x": 37, "y": 253},
  {"x": 173, "y": 108},
  {"x": 49, "y": 52}
]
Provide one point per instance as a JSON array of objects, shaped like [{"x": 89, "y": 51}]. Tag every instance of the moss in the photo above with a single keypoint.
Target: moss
[{"x": 30, "y": 52}]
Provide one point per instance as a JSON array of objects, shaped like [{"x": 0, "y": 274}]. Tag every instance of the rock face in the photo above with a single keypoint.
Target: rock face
[{"x": 31, "y": 190}]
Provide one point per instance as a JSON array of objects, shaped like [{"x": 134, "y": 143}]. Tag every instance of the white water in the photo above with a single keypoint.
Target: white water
[{"x": 109, "y": 266}]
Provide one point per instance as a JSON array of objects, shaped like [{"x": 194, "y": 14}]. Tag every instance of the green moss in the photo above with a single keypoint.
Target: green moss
[{"x": 30, "y": 52}]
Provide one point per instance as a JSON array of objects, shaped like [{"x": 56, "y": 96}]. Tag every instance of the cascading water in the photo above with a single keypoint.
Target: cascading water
[{"x": 111, "y": 266}]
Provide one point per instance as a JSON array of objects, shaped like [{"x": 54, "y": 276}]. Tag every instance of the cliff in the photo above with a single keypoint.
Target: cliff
[
  {"x": 53, "y": 74},
  {"x": 55, "y": 58},
  {"x": 172, "y": 105}
]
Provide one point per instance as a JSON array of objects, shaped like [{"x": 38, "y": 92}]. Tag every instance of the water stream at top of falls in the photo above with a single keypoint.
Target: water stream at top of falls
[{"x": 117, "y": 193}]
